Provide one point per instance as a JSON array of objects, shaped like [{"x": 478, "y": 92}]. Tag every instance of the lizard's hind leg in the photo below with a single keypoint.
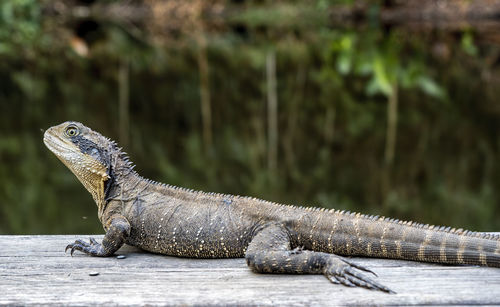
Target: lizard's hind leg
[{"x": 270, "y": 252}]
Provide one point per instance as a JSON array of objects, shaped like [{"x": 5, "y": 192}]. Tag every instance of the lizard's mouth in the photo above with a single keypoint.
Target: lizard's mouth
[
  {"x": 56, "y": 145},
  {"x": 46, "y": 140},
  {"x": 51, "y": 144}
]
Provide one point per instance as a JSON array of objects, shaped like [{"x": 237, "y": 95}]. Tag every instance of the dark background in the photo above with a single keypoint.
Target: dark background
[{"x": 387, "y": 108}]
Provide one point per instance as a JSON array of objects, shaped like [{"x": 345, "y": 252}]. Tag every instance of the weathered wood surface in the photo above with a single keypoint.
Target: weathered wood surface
[{"x": 35, "y": 270}]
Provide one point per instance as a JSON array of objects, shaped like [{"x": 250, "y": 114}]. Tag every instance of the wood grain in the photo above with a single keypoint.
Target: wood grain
[{"x": 35, "y": 270}]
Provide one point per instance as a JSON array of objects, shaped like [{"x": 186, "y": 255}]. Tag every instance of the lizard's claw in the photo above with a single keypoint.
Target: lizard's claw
[
  {"x": 359, "y": 267},
  {"x": 93, "y": 248},
  {"x": 73, "y": 246},
  {"x": 93, "y": 241},
  {"x": 77, "y": 245},
  {"x": 339, "y": 270}
]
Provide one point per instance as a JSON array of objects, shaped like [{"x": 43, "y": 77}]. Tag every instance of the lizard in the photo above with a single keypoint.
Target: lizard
[{"x": 273, "y": 238}]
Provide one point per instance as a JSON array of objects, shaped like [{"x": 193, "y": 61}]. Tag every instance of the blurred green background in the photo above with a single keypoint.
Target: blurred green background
[{"x": 367, "y": 106}]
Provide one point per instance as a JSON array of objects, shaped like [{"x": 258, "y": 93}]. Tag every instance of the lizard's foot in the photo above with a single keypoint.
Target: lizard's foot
[
  {"x": 341, "y": 271},
  {"x": 93, "y": 248}
]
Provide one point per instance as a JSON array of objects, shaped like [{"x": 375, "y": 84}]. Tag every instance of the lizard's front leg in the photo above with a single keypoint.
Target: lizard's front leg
[
  {"x": 270, "y": 252},
  {"x": 118, "y": 231}
]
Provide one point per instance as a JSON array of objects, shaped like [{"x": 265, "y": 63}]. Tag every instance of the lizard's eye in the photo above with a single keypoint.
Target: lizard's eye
[{"x": 72, "y": 131}]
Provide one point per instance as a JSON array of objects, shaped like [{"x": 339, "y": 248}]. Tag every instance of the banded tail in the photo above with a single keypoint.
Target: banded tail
[{"x": 346, "y": 233}]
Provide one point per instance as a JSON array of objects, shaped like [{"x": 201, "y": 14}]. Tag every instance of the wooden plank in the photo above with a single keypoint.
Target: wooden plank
[{"x": 35, "y": 270}]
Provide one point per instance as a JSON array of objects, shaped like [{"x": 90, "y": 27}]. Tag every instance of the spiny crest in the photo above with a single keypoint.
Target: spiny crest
[
  {"x": 456, "y": 231},
  {"x": 113, "y": 146},
  {"x": 446, "y": 229}
]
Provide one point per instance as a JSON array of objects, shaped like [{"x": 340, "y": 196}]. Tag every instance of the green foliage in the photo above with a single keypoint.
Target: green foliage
[
  {"x": 380, "y": 59},
  {"x": 333, "y": 87},
  {"x": 468, "y": 43},
  {"x": 19, "y": 25}
]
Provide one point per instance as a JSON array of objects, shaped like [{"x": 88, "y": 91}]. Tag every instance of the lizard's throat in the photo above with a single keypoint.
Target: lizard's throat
[{"x": 93, "y": 182}]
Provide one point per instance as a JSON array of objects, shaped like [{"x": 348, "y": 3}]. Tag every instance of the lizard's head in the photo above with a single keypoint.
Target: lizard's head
[{"x": 85, "y": 152}]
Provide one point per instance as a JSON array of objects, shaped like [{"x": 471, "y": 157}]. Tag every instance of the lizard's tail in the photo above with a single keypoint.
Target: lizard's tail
[
  {"x": 406, "y": 240},
  {"x": 373, "y": 236}
]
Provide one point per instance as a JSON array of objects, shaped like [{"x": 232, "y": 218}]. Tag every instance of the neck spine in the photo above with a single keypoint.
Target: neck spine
[{"x": 121, "y": 173}]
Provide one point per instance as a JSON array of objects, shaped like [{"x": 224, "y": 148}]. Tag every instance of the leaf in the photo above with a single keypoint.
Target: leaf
[
  {"x": 344, "y": 63},
  {"x": 468, "y": 44},
  {"x": 430, "y": 87},
  {"x": 380, "y": 82}
]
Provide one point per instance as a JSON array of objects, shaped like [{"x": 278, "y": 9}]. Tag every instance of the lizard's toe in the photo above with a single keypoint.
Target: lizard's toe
[
  {"x": 359, "y": 267},
  {"x": 342, "y": 280},
  {"x": 341, "y": 271},
  {"x": 80, "y": 245},
  {"x": 75, "y": 246},
  {"x": 332, "y": 278},
  {"x": 68, "y": 247},
  {"x": 93, "y": 248}
]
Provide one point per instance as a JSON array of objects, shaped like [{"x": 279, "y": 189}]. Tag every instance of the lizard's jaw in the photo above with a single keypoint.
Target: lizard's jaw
[{"x": 91, "y": 173}]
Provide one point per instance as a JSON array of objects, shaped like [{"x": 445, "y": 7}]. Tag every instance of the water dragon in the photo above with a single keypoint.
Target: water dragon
[{"x": 273, "y": 238}]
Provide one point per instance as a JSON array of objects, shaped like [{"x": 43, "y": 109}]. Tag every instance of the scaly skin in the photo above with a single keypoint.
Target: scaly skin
[{"x": 273, "y": 238}]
